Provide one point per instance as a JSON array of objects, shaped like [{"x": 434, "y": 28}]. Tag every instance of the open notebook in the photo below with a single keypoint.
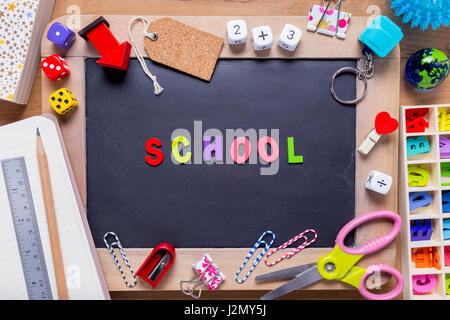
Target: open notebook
[{"x": 83, "y": 272}]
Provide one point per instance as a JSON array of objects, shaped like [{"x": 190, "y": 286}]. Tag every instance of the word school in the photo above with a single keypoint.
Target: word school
[{"x": 243, "y": 146}]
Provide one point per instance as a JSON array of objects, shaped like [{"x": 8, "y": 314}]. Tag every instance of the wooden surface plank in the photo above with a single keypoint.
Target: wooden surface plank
[{"x": 412, "y": 41}]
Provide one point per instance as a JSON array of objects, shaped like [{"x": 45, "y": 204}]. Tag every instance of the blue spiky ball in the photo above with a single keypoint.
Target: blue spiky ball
[{"x": 423, "y": 12}]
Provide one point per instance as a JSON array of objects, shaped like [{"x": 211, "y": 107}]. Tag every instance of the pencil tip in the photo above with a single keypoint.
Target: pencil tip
[{"x": 37, "y": 132}]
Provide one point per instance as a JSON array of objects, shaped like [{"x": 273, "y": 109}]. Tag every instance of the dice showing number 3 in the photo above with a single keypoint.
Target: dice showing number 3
[
  {"x": 289, "y": 37},
  {"x": 237, "y": 32}
]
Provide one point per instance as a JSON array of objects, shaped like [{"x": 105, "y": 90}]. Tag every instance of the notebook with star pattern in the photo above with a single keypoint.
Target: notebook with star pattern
[{"x": 22, "y": 24}]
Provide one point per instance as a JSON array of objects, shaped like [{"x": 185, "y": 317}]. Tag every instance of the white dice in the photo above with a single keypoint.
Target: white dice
[
  {"x": 378, "y": 182},
  {"x": 289, "y": 37},
  {"x": 262, "y": 38},
  {"x": 237, "y": 32}
]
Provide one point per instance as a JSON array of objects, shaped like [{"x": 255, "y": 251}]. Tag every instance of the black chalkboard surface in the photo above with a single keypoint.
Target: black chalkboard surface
[{"x": 219, "y": 205}]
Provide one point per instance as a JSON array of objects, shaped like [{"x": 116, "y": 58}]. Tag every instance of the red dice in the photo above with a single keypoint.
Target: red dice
[{"x": 55, "y": 67}]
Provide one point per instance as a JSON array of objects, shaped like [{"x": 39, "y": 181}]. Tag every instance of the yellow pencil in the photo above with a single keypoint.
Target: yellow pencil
[{"x": 51, "y": 218}]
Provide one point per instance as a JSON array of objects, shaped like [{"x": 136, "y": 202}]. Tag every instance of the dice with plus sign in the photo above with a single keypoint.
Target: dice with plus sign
[
  {"x": 289, "y": 37},
  {"x": 262, "y": 38},
  {"x": 379, "y": 182},
  {"x": 63, "y": 101},
  {"x": 237, "y": 32},
  {"x": 55, "y": 67},
  {"x": 60, "y": 35}
]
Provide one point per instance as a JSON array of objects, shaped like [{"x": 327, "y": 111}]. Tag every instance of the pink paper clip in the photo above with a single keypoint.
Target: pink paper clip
[{"x": 295, "y": 250}]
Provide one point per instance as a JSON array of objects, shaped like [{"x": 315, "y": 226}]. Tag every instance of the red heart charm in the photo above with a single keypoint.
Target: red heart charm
[{"x": 385, "y": 124}]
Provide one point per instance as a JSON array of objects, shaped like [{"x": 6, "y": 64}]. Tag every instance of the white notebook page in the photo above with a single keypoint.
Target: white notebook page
[{"x": 19, "y": 139}]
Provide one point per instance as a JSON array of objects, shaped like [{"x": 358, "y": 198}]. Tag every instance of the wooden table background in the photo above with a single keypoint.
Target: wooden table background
[{"x": 412, "y": 41}]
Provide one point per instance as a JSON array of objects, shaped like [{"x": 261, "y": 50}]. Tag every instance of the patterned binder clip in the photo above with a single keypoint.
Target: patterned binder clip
[
  {"x": 327, "y": 21},
  {"x": 206, "y": 274},
  {"x": 305, "y": 243},
  {"x": 258, "y": 258}
]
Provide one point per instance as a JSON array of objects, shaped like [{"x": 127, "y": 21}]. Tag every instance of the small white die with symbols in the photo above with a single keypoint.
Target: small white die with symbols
[
  {"x": 262, "y": 38},
  {"x": 289, "y": 37},
  {"x": 237, "y": 31},
  {"x": 379, "y": 182}
]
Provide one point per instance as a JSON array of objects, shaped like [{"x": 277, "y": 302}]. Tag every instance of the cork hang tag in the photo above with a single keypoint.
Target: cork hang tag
[{"x": 183, "y": 47}]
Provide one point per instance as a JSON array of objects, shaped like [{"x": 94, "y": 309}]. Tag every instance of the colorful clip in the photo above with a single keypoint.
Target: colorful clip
[
  {"x": 295, "y": 250},
  {"x": 327, "y": 21},
  {"x": 258, "y": 258},
  {"x": 206, "y": 274}
]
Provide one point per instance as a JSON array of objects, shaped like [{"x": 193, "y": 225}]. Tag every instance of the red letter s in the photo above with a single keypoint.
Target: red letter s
[{"x": 159, "y": 155}]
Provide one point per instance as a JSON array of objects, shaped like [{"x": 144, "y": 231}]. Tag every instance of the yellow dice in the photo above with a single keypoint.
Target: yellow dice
[{"x": 63, "y": 101}]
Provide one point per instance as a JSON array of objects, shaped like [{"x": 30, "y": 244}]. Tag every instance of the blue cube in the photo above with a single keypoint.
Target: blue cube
[
  {"x": 381, "y": 36},
  {"x": 60, "y": 35}
]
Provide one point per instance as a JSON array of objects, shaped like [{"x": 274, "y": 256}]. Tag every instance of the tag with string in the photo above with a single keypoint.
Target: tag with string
[{"x": 183, "y": 47}]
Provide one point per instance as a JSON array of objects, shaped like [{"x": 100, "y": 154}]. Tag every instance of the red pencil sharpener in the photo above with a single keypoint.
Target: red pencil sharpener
[{"x": 157, "y": 264}]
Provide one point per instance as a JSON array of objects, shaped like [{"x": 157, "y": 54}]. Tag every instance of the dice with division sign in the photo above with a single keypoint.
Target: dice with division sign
[
  {"x": 63, "y": 101},
  {"x": 237, "y": 31},
  {"x": 289, "y": 37},
  {"x": 55, "y": 67},
  {"x": 60, "y": 35},
  {"x": 262, "y": 38},
  {"x": 379, "y": 182}
]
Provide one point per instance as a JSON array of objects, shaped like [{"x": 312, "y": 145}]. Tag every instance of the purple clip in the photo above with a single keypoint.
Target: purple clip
[
  {"x": 444, "y": 147},
  {"x": 421, "y": 230}
]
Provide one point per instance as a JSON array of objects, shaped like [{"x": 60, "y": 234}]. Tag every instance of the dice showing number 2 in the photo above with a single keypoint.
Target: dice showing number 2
[
  {"x": 237, "y": 31},
  {"x": 290, "y": 37},
  {"x": 262, "y": 38}
]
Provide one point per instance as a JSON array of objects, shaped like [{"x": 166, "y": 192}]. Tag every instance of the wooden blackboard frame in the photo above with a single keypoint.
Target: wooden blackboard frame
[{"x": 383, "y": 94}]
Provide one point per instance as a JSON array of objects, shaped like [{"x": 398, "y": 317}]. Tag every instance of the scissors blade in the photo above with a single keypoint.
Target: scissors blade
[
  {"x": 304, "y": 279},
  {"x": 285, "y": 273}
]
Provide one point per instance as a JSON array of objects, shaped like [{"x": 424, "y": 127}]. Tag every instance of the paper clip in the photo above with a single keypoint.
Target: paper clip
[
  {"x": 295, "y": 250},
  {"x": 206, "y": 274},
  {"x": 116, "y": 261},
  {"x": 258, "y": 258}
]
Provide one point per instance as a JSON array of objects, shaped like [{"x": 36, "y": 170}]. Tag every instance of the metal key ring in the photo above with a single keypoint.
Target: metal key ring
[{"x": 362, "y": 76}]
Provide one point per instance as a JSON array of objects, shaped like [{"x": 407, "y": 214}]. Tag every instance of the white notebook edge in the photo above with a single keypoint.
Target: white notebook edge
[{"x": 80, "y": 206}]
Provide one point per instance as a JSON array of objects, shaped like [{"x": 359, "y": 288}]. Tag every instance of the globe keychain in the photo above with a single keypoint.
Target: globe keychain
[{"x": 379, "y": 38}]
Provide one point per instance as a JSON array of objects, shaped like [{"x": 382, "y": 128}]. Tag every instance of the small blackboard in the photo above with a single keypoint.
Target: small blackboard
[{"x": 219, "y": 205}]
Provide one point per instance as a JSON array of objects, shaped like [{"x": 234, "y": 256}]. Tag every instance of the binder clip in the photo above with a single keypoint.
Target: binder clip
[
  {"x": 379, "y": 38},
  {"x": 329, "y": 21},
  {"x": 207, "y": 274},
  {"x": 157, "y": 264},
  {"x": 384, "y": 124}
]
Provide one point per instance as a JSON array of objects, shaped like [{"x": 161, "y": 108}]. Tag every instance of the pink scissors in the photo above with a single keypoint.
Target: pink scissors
[{"x": 339, "y": 264}]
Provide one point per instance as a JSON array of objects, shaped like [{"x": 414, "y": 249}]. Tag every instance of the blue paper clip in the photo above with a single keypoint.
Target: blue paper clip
[{"x": 258, "y": 258}]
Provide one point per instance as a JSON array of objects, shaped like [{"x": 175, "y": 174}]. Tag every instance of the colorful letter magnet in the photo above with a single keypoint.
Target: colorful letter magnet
[
  {"x": 445, "y": 173},
  {"x": 447, "y": 256},
  {"x": 381, "y": 36},
  {"x": 446, "y": 201},
  {"x": 443, "y": 119},
  {"x": 157, "y": 264},
  {"x": 444, "y": 147},
  {"x": 423, "y": 283},
  {"x": 419, "y": 199},
  {"x": 447, "y": 284},
  {"x": 446, "y": 228},
  {"x": 330, "y": 24},
  {"x": 418, "y": 176},
  {"x": 416, "y": 125},
  {"x": 417, "y": 145},
  {"x": 421, "y": 230},
  {"x": 412, "y": 114}
]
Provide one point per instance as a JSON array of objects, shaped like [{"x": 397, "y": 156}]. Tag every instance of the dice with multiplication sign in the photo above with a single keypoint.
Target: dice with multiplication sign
[
  {"x": 237, "y": 31},
  {"x": 60, "y": 35},
  {"x": 289, "y": 37},
  {"x": 63, "y": 101},
  {"x": 55, "y": 67},
  {"x": 379, "y": 182},
  {"x": 262, "y": 38}
]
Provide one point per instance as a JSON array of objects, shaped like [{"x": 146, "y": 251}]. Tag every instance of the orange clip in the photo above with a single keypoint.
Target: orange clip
[{"x": 426, "y": 257}]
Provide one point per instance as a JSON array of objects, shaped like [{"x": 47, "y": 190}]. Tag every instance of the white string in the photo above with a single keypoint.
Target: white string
[{"x": 151, "y": 36}]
